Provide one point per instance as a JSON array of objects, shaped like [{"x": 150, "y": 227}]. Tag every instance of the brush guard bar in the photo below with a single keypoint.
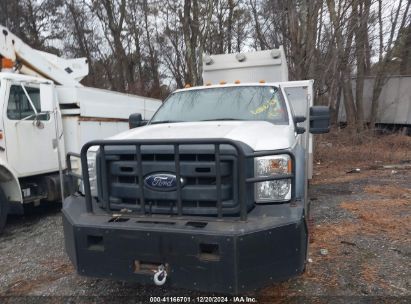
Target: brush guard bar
[{"x": 241, "y": 155}]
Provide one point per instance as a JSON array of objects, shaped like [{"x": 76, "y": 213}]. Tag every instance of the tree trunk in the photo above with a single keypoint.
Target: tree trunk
[
  {"x": 361, "y": 13},
  {"x": 344, "y": 54},
  {"x": 191, "y": 33}
]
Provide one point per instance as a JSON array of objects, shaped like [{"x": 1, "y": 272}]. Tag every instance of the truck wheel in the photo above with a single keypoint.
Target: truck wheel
[{"x": 4, "y": 208}]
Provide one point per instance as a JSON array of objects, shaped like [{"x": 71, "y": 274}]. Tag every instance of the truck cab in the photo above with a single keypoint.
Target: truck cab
[
  {"x": 45, "y": 112},
  {"x": 30, "y": 147},
  {"x": 211, "y": 194}
]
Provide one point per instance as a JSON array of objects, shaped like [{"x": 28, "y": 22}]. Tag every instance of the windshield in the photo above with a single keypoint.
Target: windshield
[{"x": 225, "y": 103}]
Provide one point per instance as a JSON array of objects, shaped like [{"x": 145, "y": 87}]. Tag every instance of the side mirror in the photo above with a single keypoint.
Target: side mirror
[
  {"x": 300, "y": 130},
  {"x": 135, "y": 120},
  {"x": 319, "y": 119},
  {"x": 299, "y": 119},
  {"x": 46, "y": 98}
]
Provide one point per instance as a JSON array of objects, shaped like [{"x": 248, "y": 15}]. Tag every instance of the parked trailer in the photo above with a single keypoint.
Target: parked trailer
[
  {"x": 211, "y": 195},
  {"x": 46, "y": 112},
  {"x": 394, "y": 102}
]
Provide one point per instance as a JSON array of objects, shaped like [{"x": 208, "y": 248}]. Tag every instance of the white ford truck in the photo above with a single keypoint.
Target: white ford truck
[
  {"x": 46, "y": 112},
  {"x": 211, "y": 194}
]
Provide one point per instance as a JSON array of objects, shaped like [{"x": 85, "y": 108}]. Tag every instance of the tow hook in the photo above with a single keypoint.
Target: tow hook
[{"x": 160, "y": 275}]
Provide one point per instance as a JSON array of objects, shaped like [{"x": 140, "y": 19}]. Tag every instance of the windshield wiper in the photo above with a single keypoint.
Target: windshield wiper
[
  {"x": 164, "y": 121},
  {"x": 216, "y": 119},
  {"x": 174, "y": 121}
]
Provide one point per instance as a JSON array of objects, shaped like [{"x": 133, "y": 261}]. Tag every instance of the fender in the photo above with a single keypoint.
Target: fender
[
  {"x": 9, "y": 183},
  {"x": 300, "y": 160}
]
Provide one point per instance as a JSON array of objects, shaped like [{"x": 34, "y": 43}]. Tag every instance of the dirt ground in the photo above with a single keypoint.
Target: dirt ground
[{"x": 360, "y": 249}]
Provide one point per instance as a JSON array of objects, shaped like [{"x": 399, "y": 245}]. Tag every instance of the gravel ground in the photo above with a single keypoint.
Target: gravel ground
[{"x": 366, "y": 259}]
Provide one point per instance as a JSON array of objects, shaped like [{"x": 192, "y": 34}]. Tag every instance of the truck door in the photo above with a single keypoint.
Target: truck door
[
  {"x": 31, "y": 147},
  {"x": 300, "y": 96}
]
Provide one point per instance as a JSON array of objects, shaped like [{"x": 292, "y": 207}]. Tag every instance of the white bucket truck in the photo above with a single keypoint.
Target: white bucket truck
[{"x": 44, "y": 113}]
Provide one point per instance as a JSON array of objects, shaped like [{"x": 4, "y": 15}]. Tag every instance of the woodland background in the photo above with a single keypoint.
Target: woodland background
[{"x": 151, "y": 47}]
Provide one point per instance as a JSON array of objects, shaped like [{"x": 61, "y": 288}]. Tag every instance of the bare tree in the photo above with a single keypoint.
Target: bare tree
[
  {"x": 149, "y": 47},
  {"x": 344, "y": 52},
  {"x": 260, "y": 38},
  {"x": 361, "y": 11},
  {"x": 112, "y": 13}
]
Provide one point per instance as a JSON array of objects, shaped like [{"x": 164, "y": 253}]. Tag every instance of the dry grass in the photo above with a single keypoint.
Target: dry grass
[
  {"x": 366, "y": 147},
  {"x": 330, "y": 235},
  {"x": 383, "y": 216},
  {"x": 24, "y": 286},
  {"x": 338, "y": 174},
  {"x": 390, "y": 191},
  {"x": 332, "y": 238},
  {"x": 325, "y": 271},
  {"x": 342, "y": 150},
  {"x": 386, "y": 216},
  {"x": 279, "y": 290},
  {"x": 369, "y": 274}
]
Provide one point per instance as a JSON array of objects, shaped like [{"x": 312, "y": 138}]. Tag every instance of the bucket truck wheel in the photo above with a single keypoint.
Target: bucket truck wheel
[{"x": 4, "y": 208}]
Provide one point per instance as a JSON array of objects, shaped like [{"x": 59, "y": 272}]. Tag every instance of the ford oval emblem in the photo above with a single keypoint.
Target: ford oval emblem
[{"x": 162, "y": 182}]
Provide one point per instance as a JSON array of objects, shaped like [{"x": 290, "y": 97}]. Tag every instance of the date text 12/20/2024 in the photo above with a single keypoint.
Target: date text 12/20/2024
[{"x": 199, "y": 299}]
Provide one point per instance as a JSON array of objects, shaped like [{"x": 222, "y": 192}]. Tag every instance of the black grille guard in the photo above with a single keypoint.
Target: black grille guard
[{"x": 241, "y": 155}]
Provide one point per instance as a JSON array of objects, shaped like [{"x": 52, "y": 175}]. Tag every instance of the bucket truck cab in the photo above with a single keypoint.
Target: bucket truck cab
[
  {"x": 211, "y": 194},
  {"x": 44, "y": 113}
]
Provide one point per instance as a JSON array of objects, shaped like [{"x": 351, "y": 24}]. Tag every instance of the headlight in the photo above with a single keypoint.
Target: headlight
[
  {"x": 277, "y": 190},
  {"x": 91, "y": 163}
]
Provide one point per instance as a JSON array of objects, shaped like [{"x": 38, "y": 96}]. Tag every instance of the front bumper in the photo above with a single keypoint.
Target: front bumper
[{"x": 224, "y": 256}]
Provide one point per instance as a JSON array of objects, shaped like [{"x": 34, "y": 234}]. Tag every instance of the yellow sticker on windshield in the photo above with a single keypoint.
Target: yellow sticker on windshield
[{"x": 272, "y": 105}]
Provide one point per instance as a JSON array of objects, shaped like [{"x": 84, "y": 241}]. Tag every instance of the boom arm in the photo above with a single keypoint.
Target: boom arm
[{"x": 37, "y": 63}]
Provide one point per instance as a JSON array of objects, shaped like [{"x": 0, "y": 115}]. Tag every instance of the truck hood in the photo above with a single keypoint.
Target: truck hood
[{"x": 259, "y": 135}]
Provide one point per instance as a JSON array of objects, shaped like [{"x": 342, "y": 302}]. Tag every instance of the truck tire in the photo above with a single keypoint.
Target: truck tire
[{"x": 4, "y": 208}]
